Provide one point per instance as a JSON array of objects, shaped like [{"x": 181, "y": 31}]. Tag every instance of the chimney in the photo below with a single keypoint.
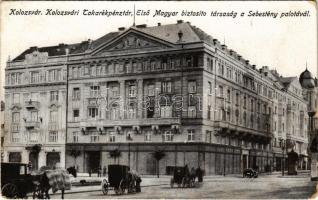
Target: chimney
[
  {"x": 141, "y": 26},
  {"x": 215, "y": 41},
  {"x": 239, "y": 57},
  {"x": 34, "y": 48},
  {"x": 254, "y": 66},
  {"x": 61, "y": 45},
  {"x": 180, "y": 35},
  {"x": 224, "y": 46},
  {"x": 179, "y": 21},
  {"x": 121, "y": 28},
  {"x": 247, "y": 62},
  {"x": 159, "y": 24}
]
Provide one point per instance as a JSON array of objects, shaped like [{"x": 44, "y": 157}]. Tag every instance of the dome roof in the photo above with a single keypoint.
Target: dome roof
[{"x": 306, "y": 80}]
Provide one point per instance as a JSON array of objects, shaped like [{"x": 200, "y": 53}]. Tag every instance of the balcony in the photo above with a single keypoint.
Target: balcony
[
  {"x": 32, "y": 124},
  {"x": 32, "y": 104}
]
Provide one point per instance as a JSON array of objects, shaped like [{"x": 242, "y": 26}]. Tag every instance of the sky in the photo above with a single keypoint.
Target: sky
[{"x": 285, "y": 44}]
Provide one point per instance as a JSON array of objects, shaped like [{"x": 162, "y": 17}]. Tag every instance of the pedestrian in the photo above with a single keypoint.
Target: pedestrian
[
  {"x": 90, "y": 172},
  {"x": 99, "y": 171},
  {"x": 30, "y": 166},
  {"x": 104, "y": 170},
  {"x": 199, "y": 173}
]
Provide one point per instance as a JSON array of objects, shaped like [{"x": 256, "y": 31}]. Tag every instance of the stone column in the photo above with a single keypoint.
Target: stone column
[
  {"x": 62, "y": 158},
  {"x": 140, "y": 97},
  {"x": 41, "y": 159}
]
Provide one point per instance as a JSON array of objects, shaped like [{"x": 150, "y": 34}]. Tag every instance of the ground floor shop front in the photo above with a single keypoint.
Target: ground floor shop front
[
  {"x": 214, "y": 159},
  {"x": 36, "y": 156}
]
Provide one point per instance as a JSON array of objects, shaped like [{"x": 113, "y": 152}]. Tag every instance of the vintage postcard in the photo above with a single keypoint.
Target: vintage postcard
[{"x": 159, "y": 100}]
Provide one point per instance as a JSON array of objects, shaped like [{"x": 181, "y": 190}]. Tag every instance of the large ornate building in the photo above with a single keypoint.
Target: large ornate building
[{"x": 143, "y": 89}]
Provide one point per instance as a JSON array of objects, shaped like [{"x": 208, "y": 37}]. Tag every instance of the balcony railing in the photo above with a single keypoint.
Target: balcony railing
[
  {"x": 32, "y": 104},
  {"x": 32, "y": 124}
]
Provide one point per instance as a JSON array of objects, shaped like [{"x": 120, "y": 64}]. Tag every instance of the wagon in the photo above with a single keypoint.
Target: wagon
[
  {"x": 250, "y": 173},
  {"x": 182, "y": 178},
  {"x": 16, "y": 182},
  {"x": 120, "y": 179}
]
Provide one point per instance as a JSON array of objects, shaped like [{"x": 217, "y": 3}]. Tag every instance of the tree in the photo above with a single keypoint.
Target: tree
[
  {"x": 115, "y": 154},
  {"x": 75, "y": 153},
  {"x": 158, "y": 155}
]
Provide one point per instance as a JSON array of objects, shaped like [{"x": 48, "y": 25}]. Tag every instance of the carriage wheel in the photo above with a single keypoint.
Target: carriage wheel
[
  {"x": 10, "y": 190},
  {"x": 171, "y": 182},
  {"x": 105, "y": 187}
]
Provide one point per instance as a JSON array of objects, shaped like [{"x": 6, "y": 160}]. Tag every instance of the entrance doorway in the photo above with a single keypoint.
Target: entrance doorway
[
  {"x": 33, "y": 158},
  {"x": 52, "y": 158},
  {"x": 245, "y": 162},
  {"x": 93, "y": 161}
]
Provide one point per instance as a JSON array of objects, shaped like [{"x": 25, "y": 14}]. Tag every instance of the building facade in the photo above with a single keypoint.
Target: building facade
[
  {"x": 35, "y": 91},
  {"x": 143, "y": 89}
]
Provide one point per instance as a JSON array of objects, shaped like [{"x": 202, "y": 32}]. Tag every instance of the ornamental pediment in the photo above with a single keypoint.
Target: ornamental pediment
[{"x": 133, "y": 41}]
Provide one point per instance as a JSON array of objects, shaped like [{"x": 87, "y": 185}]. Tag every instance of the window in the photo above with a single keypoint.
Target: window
[
  {"x": 34, "y": 116},
  {"x": 76, "y": 94},
  {"x": 131, "y": 112},
  {"x": 220, "y": 91},
  {"x": 208, "y": 136},
  {"x": 165, "y": 111},
  {"x": 33, "y": 136},
  {"x": 75, "y": 136},
  {"x": 53, "y": 136},
  {"x": 237, "y": 97},
  {"x": 94, "y": 91},
  {"x": 112, "y": 137},
  {"x": 55, "y": 75},
  {"x": 191, "y": 135},
  {"x": 191, "y": 112},
  {"x": 94, "y": 138},
  {"x": 16, "y": 78},
  {"x": 228, "y": 96},
  {"x": 166, "y": 87},
  {"x": 210, "y": 87},
  {"x": 209, "y": 112},
  {"x": 35, "y": 77},
  {"x": 114, "y": 112},
  {"x": 132, "y": 90},
  {"x": 115, "y": 91},
  {"x": 15, "y": 137},
  {"x": 148, "y": 136},
  {"x": 54, "y": 96},
  {"x": 192, "y": 87},
  {"x": 76, "y": 115},
  {"x": 151, "y": 90},
  {"x": 53, "y": 116},
  {"x": 16, "y": 98},
  {"x": 167, "y": 136},
  {"x": 15, "y": 117},
  {"x": 92, "y": 112}
]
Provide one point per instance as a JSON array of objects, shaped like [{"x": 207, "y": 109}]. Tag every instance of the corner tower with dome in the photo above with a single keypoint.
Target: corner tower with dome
[{"x": 309, "y": 85}]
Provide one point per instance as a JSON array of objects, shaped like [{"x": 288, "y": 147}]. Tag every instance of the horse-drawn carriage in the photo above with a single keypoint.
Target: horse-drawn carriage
[
  {"x": 16, "y": 182},
  {"x": 120, "y": 178},
  {"x": 182, "y": 177}
]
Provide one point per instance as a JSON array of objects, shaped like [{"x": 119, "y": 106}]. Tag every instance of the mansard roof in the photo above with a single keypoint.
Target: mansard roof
[{"x": 167, "y": 33}]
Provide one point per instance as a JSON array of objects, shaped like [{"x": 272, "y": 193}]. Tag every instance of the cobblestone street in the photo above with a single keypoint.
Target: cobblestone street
[{"x": 264, "y": 187}]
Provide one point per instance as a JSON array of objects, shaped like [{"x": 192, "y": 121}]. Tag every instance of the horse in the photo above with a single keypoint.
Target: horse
[{"x": 48, "y": 179}]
